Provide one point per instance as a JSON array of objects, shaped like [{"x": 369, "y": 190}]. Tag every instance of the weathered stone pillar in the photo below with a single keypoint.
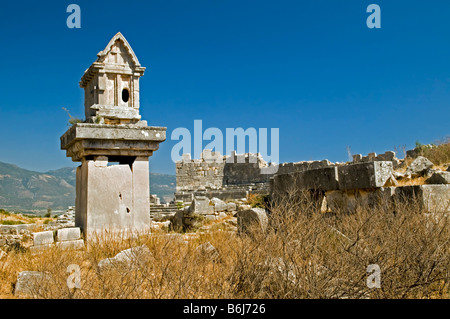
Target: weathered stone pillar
[{"x": 113, "y": 145}]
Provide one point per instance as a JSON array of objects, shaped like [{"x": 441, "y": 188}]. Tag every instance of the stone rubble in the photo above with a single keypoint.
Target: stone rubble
[
  {"x": 129, "y": 258},
  {"x": 30, "y": 283},
  {"x": 250, "y": 218},
  {"x": 439, "y": 177},
  {"x": 68, "y": 218},
  {"x": 419, "y": 166},
  {"x": 64, "y": 238},
  {"x": 344, "y": 187},
  {"x": 208, "y": 250}
]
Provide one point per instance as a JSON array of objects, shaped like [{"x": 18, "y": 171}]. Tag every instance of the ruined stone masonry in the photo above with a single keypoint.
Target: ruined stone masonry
[
  {"x": 368, "y": 180},
  {"x": 231, "y": 176},
  {"x": 112, "y": 197},
  {"x": 336, "y": 186}
]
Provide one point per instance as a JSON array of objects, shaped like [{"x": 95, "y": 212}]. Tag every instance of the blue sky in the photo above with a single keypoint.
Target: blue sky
[{"x": 313, "y": 69}]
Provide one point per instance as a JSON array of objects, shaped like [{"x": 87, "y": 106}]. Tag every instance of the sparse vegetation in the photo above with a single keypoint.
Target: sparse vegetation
[
  {"x": 256, "y": 200},
  {"x": 72, "y": 120},
  {"x": 179, "y": 205},
  {"x": 194, "y": 223},
  {"x": 4, "y": 212},
  {"x": 11, "y": 222},
  {"x": 438, "y": 153},
  {"x": 303, "y": 254},
  {"x": 9, "y": 218},
  {"x": 48, "y": 214}
]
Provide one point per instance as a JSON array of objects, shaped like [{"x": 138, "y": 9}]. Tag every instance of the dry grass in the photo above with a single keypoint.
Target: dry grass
[
  {"x": 439, "y": 154},
  {"x": 18, "y": 218},
  {"x": 302, "y": 254},
  {"x": 412, "y": 181}
]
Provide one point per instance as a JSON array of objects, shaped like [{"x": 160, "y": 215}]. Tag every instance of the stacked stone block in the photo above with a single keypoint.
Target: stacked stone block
[
  {"x": 224, "y": 177},
  {"x": 363, "y": 183},
  {"x": 66, "y": 238},
  {"x": 386, "y": 156}
]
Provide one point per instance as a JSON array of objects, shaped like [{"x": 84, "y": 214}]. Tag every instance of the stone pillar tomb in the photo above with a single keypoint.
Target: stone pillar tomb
[{"x": 113, "y": 145}]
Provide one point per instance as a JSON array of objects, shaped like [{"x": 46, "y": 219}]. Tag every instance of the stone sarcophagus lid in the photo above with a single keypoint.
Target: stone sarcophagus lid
[{"x": 113, "y": 145}]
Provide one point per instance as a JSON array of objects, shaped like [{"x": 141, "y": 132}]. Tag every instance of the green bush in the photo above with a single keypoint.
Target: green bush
[
  {"x": 258, "y": 201},
  {"x": 179, "y": 205},
  {"x": 4, "y": 212},
  {"x": 11, "y": 222}
]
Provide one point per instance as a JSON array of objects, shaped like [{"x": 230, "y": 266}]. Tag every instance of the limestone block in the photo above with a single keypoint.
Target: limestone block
[
  {"x": 388, "y": 156},
  {"x": 43, "y": 238},
  {"x": 348, "y": 201},
  {"x": 208, "y": 250},
  {"x": 30, "y": 283},
  {"x": 84, "y": 139},
  {"x": 231, "y": 207},
  {"x": 114, "y": 198},
  {"x": 341, "y": 201},
  {"x": 244, "y": 207},
  {"x": 439, "y": 177},
  {"x": 40, "y": 248},
  {"x": 357, "y": 158},
  {"x": 71, "y": 244},
  {"x": 222, "y": 215},
  {"x": 129, "y": 258},
  {"x": 419, "y": 166},
  {"x": 254, "y": 216},
  {"x": 65, "y": 234},
  {"x": 323, "y": 178},
  {"x": 430, "y": 198},
  {"x": 364, "y": 175},
  {"x": 201, "y": 205},
  {"x": 219, "y": 205},
  {"x": 210, "y": 217}
]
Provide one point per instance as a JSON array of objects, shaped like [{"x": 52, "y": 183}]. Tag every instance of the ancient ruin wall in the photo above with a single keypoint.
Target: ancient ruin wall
[{"x": 215, "y": 171}]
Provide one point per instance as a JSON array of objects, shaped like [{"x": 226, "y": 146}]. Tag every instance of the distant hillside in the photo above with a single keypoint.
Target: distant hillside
[{"x": 24, "y": 190}]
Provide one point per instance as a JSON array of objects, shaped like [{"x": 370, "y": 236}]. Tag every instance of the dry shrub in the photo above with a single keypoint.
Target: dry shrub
[
  {"x": 301, "y": 254},
  {"x": 333, "y": 251},
  {"x": 439, "y": 154},
  {"x": 257, "y": 200}
]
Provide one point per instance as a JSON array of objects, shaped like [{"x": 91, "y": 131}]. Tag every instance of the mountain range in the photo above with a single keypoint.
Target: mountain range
[{"x": 29, "y": 191}]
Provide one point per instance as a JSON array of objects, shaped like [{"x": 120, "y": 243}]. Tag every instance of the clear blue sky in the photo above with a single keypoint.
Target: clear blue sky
[{"x": 311, "y": 68}]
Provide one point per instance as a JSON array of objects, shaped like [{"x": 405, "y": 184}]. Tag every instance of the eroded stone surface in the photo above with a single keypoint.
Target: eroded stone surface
[
  {"x": 43, "y": 238},
  {"x": 30, "y": 283},
  {"x": 66, "y": 234},
  {"x": 201, "y": 205},
  {"x": 249, "y": 218},
  {"x": 128, "y": 258},
  {"x": 364, "y": 175},
  {"x": 439, "y": 177},
  {"x": 419, "y": 166}
]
